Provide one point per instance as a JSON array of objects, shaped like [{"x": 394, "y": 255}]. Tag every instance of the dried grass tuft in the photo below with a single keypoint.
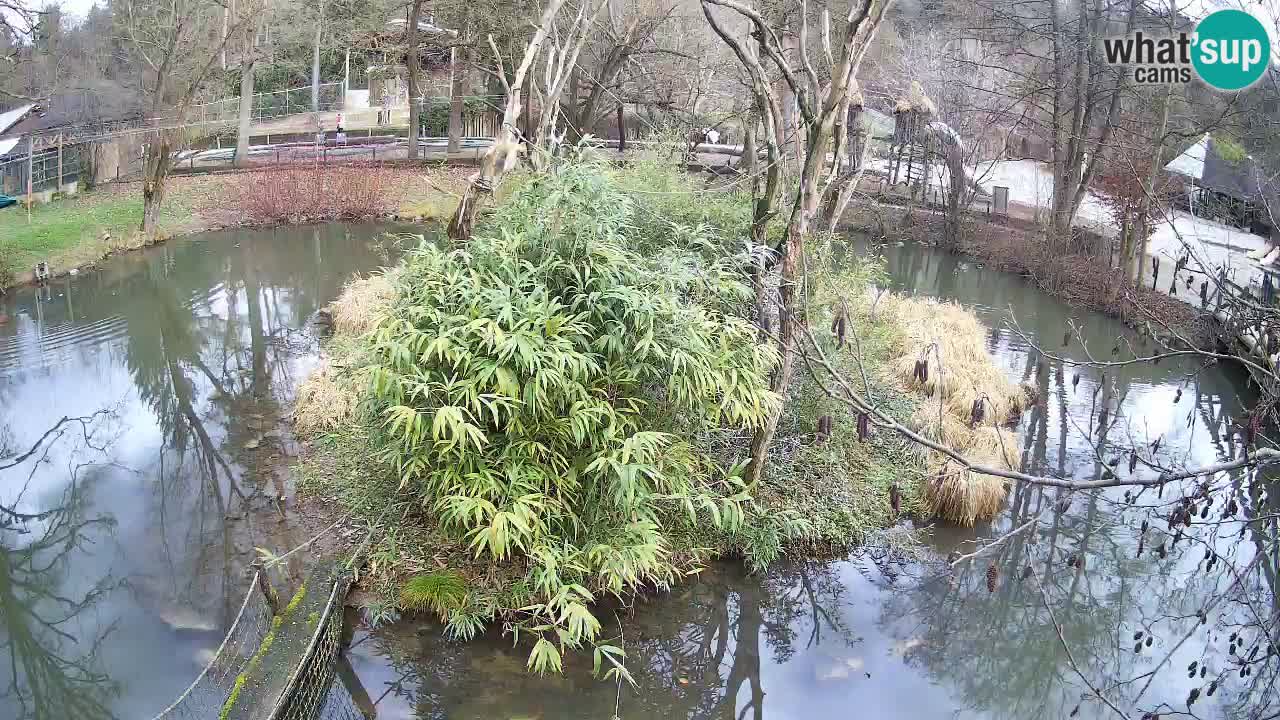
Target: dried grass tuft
[
  {"x": 960, "y": 373},
  {"x": 326, "y": 402},
  {"x": 362, "y": 304},
  {"x": 921, "y": 102}
]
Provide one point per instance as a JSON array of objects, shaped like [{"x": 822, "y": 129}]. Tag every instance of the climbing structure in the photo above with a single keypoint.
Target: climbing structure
[{"x": 911, "y": 116}]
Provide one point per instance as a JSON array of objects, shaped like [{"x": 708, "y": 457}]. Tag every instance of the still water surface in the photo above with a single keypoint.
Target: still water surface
[
  {"x": 879, "y": 635},
  {"x": 123, "y": 540}
]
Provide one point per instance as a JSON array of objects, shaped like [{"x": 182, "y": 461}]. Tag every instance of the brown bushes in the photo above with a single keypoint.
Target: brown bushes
[
  {"x": 1079, "y": 277},
  {"x": 1079, "y": 280},
  {"x": 312, "y": 193}
]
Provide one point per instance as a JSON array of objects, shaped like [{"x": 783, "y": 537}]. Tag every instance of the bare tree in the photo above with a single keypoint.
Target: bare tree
[
  {"x": 178, "y": 47},
  {"x": 502, "y": 156},
  {"x": 17, "y": 27},
  {"x": 1051, "y": 64},
  {"x": 821, "y": 99},
  {"x": 631, "y": 30},
  {"x": 561, "y": 59}
]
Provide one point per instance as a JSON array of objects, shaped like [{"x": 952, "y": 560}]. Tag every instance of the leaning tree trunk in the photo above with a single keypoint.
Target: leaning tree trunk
[
  {"x": 847, "y": 165},
  {"x": 790, "y": 287},
  {"x": 156, "y": 163},
  {"x": 502, "y": 156}
]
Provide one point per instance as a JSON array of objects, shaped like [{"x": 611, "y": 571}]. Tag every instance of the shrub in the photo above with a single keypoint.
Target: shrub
[
  {"x": 439, "y": 592},
  {"x": 545, "y": 387},
  {"x": 311, "y": 193}
]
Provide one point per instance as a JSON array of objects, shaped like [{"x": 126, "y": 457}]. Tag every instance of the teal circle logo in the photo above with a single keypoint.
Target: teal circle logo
[{"x": 1232, "y": 50}]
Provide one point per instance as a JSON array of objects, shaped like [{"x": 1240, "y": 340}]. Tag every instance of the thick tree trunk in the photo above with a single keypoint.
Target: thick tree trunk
[
  {"x": 791, "y": 286},
  {"x": 456, "y": 75},
  {"x": 848, "y": 168},
  {"x": 247, "y": 67},
  {"x": 414, "y": 67},
  {"x": 156, "y": 164},
  {"x": 955, "y": 194}
]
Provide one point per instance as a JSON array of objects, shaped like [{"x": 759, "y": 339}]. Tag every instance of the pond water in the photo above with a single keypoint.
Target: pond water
[
  {"x": 124, "y": 538},
  {"x": 883, "y": 635}
]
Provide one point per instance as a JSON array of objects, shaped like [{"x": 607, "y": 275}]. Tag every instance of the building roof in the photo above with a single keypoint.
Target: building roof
[
  {"x": 425, "y": 27},
  {"x": 1209, "y": 165},
  {"x": 1240, "y": 179},
  {"x": 11, "y": 117},
  {"x": 1191, "y": 162}
]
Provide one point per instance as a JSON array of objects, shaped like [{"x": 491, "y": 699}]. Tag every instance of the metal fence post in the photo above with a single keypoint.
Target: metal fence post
[
  {"x": 31, "y": 153},
  {"x": 59, "y": 186}
]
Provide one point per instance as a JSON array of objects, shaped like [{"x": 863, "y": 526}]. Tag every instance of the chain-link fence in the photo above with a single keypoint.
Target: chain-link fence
[
  {"x": 208, "y": 694},
  {"x": 48, "y": 170},
  {"x": 277, "y": 666},
  {"x": 271, "y": 104},
  {"x": 311, "y": 693}
]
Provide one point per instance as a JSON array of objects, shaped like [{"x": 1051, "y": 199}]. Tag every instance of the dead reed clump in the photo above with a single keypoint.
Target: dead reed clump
[
  {"x": 362, "y": 304},
  {"x": 962, "y": 496},
  {"x": 953, "y": 343},
  {"x": 940, "y": 352},
  {"x": 326, "y": 402}
]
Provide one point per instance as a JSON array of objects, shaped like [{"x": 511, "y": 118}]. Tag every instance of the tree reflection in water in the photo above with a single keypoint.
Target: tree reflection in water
[
  {"x": 199, "y": 343},
  {"x": 697, "y": 653},
  {"x": 49, "y": 665},
  {"x": 1135, "y": 608}
]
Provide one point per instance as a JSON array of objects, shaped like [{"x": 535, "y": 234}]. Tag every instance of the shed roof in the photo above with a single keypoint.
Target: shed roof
[
  {"x": 11, "y": 117},
  {"x": 1191, "y": 162}
]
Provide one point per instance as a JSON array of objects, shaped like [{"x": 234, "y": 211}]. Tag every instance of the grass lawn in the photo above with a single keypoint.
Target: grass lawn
[
  {"x": 73, "y": 231},
  {"x": 78, "y": 231}
]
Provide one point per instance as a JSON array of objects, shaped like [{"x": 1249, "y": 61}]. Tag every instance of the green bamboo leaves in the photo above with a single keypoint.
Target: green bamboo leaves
[{"x": 541, "y": 389}]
